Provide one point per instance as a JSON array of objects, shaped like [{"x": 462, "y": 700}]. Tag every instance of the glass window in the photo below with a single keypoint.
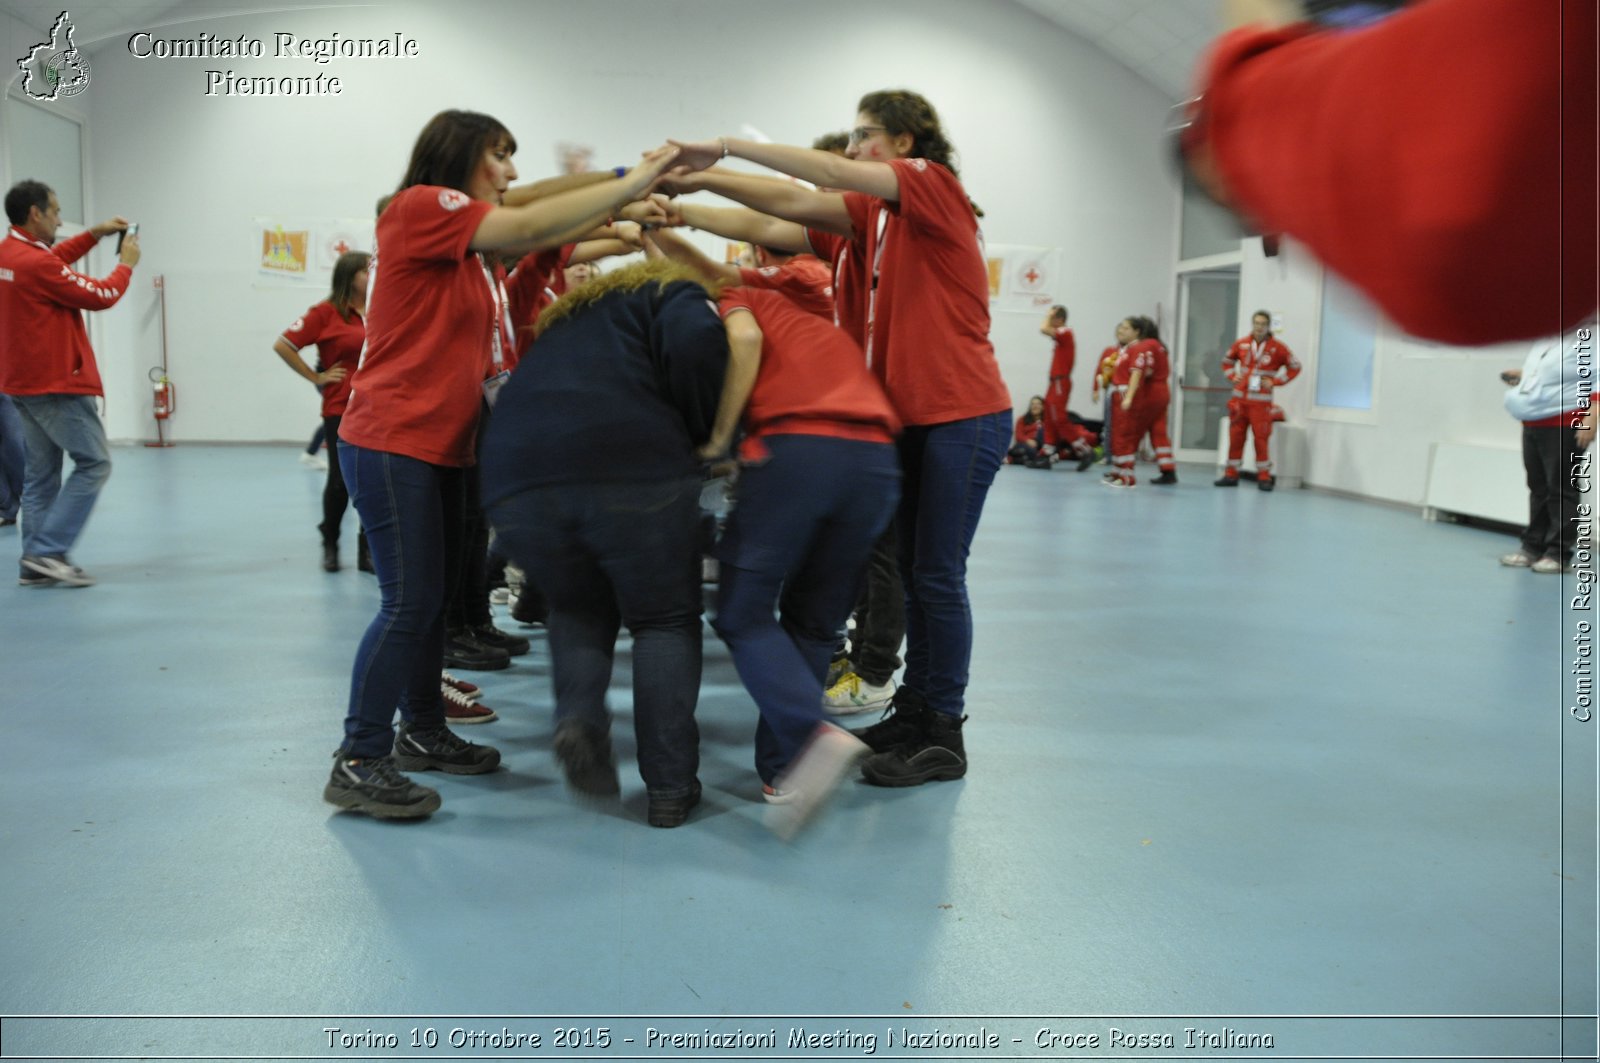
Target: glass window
[{"x": 1346, "y": 342}]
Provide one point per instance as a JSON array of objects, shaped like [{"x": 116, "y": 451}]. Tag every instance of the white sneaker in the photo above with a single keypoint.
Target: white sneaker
[
  {"x": 500, "y": 596},
  {"x": 1520, "y": 559},
  {"x": 1548, "y": 564},
  {"x": 314, "y": 461},
  {"x": 810, "y": 779},
  {"x": 60, "y": 570},
  {"x": 851, "y": 695}
]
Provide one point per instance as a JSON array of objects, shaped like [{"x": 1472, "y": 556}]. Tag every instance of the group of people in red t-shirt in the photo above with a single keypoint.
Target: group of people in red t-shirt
[{"x": 890, "y": 385}]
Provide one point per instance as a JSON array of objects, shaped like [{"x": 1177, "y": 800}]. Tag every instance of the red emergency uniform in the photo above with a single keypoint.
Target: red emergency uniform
[
  {"x": 1256, "y": 367},
  {"x": 1148, "y": 414},
  {"x": 1060, "y": 388}
]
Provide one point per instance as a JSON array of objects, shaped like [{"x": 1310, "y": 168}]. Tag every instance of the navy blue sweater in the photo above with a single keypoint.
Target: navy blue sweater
[{"x": 623, "y": 389}]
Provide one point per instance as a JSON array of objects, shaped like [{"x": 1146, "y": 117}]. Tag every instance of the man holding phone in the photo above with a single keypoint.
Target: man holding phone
[{"x": 49, "y": 370}]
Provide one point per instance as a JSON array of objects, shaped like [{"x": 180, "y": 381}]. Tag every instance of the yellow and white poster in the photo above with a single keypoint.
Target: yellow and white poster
[{"x": 284, "y": 252}]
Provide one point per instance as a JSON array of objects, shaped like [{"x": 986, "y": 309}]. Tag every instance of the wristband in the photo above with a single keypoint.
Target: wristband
[
  {"x": 619, "y": 171},
  {"x": 724, "y": 142}
]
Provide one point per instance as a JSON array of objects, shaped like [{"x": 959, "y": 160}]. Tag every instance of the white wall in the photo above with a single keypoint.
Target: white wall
[
  {"x": 1422, "y": 393},
  {"x": 1058, "y": 143}
]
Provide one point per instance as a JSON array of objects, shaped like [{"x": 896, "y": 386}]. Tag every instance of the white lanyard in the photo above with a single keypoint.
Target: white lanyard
[
  {"x": 500, "y": 322},
  {"x": 872, "y": 294}
]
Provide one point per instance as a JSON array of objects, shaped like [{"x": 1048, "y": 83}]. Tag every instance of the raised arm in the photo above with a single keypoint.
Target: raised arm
[
  {"x": 522, "y": 195},
  {"x": 804, "y": 206},
  {"x": 561, "y": 218},
  {"x": 819, "y": 167},
  {"x": 676, "y": 247}
]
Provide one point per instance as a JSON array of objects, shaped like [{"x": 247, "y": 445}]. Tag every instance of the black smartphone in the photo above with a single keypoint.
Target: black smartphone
[{"x": 132, "y": 230}]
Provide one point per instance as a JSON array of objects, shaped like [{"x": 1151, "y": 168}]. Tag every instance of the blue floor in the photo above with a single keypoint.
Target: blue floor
[{"x": 1233, "y": 755}]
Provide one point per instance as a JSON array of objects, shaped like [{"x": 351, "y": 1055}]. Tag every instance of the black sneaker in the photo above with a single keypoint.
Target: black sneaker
[
  {"x": 530, "y": 607},
  {"x": 584, "y": 752},
  {"x": 27, "y": 577},
  {"x": 1226, "y": 481},
  {"x": 938, "y": 755},
  {"x": 903, "y": 722},
  {"x": 375, "y": 786},
  {"x": 426, "y": 748},
  {"x": 494, "y": 638},
  {"x": 1166, "y": 479},
  {"x": 463, "y": 650},
  {"x": 1264, "y": 483},
  {"x": 672, "y": 811}
]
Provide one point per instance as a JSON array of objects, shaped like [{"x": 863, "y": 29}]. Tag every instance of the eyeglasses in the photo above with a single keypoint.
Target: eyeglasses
[{"x": 862, "y": 132}]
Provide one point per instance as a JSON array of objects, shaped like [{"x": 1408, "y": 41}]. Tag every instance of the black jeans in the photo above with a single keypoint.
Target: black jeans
[
  {"x": 880, "y": 613},
  {"x": 607, "y": 555},
  {"x": 1550, "y": 455},
  {"x": 335, "y": 496}
]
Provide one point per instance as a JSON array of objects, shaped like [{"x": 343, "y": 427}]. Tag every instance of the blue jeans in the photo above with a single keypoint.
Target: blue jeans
[
  {"x": 13, "y": 458},
  {"x": 948, "y": 469},
  {"x": 54, "y": 513},
  {"x": 611, "y": 554},
  {"x": 412, "y": 515},
  {"x": 792, "y": 558}
]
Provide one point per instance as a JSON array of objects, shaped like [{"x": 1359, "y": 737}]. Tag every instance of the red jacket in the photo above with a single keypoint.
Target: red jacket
[
  {"x": 44, "y": 348},
  {"x": 1442, "y": 160},
  {"x": 1256, "y": 372}
]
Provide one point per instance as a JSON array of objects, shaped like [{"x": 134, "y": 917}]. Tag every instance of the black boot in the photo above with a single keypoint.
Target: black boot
[
  {"x": 489, "y": 635},
  {"x": 1167, "y": 477},
  {"x": 330, "y": 557},
  {"x": 463, "y": 651},
  {"x": 939, "y": 754},
  {"x": 904, "y": 722}
]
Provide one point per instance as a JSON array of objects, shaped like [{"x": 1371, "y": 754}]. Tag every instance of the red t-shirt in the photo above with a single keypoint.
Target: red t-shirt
[
  {"x": 928, "y": 323},
  {"x": 1066, "y": 352},
  {"x": 1442, "y": 160},
  {"x": 338, "y": 342},
  {"x": 539, "y": 280},
  {"x": 849, "y": 295},
  {"x": 432, "y": 312},
  {"x": 805, "y": 279},
  {"x": 1150, "y": 358},
  {"x": 813, "y": 379}
]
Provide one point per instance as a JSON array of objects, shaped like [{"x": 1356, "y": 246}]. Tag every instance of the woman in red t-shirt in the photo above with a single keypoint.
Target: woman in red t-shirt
[
  {"x": 337, "y": 328},
  {"x": 1143, "y": 395},
  {"x": 1033, "y": 434},
  {"x": 437, "y": 342},
  {"x": 922, "y": 304}
]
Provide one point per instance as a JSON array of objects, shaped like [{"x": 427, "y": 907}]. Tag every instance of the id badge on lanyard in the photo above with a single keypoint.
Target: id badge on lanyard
[{"x": 499, "y": 329}]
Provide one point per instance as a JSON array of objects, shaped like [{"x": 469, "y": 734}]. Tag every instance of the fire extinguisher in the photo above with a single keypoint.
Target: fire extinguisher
[{"x": 165, "y": 394}]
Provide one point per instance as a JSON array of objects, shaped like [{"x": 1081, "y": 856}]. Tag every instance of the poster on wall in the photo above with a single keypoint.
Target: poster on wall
[
  {"x": 340, "y": 237},
  {"x": 1023, "y": 278},
  {"x": 284, "y": 251},
  {"x": 304, "y": 252}
]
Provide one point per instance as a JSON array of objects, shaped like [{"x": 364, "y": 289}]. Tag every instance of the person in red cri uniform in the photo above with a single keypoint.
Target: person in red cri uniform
[
  {"x": 803, "y": 279},
  {"x": 337, "y": 328},
  {"x": 437, "y": 335},
  {"x": 1443, "y": 159},
  {"x": 1257, "y": 365},
  {"x": 1033, "y": 435},
  {"x": 819, "y": 481},
  {"x": 922, "y": 299},
  {"x": 48, "y": 369},
  {"x": 1065, "y": 352},
  {"x": 1141, "y": 384}
]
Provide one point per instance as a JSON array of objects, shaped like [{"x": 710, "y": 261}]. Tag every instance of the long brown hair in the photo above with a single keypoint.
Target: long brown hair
[
  {"x": 449, "y": 147},
  {"x": 902, "y": 111},
  {"x": 344, "y": 280}
]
